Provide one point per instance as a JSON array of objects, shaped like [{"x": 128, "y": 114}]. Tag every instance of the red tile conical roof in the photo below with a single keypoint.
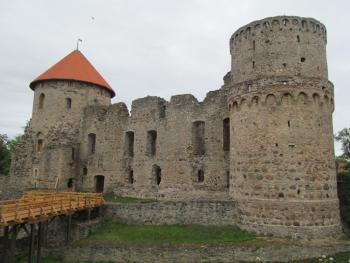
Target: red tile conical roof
[{"x": 74, "y": 66}]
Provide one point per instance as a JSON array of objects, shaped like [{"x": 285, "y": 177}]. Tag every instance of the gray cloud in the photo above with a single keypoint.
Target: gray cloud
[{"x": 152, "y": 47}]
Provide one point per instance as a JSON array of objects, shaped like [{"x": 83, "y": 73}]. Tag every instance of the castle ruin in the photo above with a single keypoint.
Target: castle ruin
[{"x": 264, "y": 140}]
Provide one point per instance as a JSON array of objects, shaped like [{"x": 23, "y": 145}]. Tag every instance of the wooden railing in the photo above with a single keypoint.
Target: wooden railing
[{"x": 36, "y": 206}]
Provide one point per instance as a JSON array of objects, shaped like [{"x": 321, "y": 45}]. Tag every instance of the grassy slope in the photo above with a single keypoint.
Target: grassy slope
[{"x": 170, "y": 234}]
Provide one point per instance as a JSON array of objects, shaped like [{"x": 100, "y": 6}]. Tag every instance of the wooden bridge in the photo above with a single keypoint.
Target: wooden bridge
[{"x": 38, "y": 208}]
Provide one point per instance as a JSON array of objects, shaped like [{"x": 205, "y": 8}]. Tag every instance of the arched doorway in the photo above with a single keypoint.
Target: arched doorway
[{"x": 99, "y": 183}]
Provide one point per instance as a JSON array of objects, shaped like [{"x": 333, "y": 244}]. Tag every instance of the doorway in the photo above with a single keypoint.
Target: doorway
[{"x": 99, "y": 183}]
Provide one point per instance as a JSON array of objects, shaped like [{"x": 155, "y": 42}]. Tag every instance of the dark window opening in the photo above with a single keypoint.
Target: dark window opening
[
  {"x": 227, "y": 179},
  {"x": 288, "y": 123},
  {"x": 253, "y": 64},
  {"x": 284, "y": 65},
  {"x": 276, "y": 144},
  {"x": 40, "y": 145},
  {"x": 253, "y": 44},
  {"x": 302, "y": 59},
  {"x": 41, "y": 100},
  {"x": 99, "y": 183},
  {"x": 91, "y": 143},
  {"x": 281, "y": 195},
  {"x": 70, "y": 183},
  {"x": 151, "y": 143},
  {"x": 73, "y": 154},
  {"x": 162, "y": 111},
  {"x": 85, "y": 171},
  {"x": 200, "y": 176},
  {"x": 226, "y": 134},
  {"x": 68, "y": 103},
  {"x": 198, "y": 138},
  {"x": 298, "y": 38},
  {"x": 157, "y": 174},
  {"x": 129, "y": 143},
  {"x": 131, "y": 176}
]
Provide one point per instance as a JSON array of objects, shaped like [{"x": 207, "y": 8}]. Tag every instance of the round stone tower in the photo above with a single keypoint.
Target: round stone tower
[
  {"x": 64, "y": 90},
  {"x": 281, "y": 104}
]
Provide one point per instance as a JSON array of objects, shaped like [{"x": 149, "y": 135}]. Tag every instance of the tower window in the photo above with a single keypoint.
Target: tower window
[
  {"x": 298, "y": 38},
  {"x": 151, "y": 143},
  {"x": 284, "y": 65},
  {"x": 226, "y": 134},
  {"x": 91, "y": 143},
  {"x": 68, "y": 103},
  {"x": 302, "y": 59},
  {"x": 200, "y": 176},
  {"x": 85, "y": 171},
  {"x": 288, "y": 123},
  {"x": 227, "y": 179},
  {"x": 198, "y": 138},
  {"x": 253, "y": 44},
  {"x": 129, "y": 143},
  {"x": 73, "y": 153},
  {"x": 70, "y": 183},
  {"x": 40, "y": 145},
  {"x": 253, "y": 64},
  {"x": 41, "y": 100}
]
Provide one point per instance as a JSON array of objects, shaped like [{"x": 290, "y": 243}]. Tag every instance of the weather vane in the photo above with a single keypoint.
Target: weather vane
[{"x": 79, "y": 40}]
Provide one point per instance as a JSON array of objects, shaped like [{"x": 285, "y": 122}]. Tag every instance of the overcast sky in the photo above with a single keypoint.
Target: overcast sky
[{"x": 148, "y": 47}]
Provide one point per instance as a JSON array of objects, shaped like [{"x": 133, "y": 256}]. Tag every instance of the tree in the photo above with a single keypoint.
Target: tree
[
  {"x": 7, "y": 148},
  {"x": 5, "y": 156},
  {"x": 343, "y": 137}
]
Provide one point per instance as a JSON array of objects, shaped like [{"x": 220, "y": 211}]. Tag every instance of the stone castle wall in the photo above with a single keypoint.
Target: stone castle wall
[{"x": 264, "y": 140}]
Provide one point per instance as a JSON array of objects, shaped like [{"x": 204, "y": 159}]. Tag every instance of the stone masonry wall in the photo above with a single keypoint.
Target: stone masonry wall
[{"x": 167, "y": 212}]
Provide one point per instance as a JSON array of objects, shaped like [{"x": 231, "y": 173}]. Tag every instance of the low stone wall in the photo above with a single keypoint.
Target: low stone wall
[
  {"x": 180, "y": 212},
  {"x": 109, "y": 252}
]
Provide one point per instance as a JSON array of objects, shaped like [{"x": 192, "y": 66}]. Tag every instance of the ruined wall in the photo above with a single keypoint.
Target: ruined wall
[
  {"x": 282, "y": 157},
  {"x": 107, "y": 124},
  {"x": 161, "y": 161}
]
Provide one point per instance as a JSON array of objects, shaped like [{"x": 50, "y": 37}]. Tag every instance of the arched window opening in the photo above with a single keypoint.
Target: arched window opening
[
  {"x": 68, "y": 103},
  {"x": 226, "y": 134},
  {"x": 157, "y": 174},
  {"x": 200, "y": 176},
  {"x": 70, "y": 183},
  {"x": 129, "y": 143},
  {"x": 41, "y": 100},
  {"x": 91, "y": 143},
  {"x": 151, "y": 143},
  {"x": 131, "y": 176},
  {"x": 198, "y": 138},
  {"x": 40, "y": 144}
]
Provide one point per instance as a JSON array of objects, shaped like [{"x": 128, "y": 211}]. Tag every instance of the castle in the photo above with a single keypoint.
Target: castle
[{"x": 263, "y": 140}]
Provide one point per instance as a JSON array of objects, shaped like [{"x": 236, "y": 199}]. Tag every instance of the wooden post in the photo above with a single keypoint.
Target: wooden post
[
  {"x": 31, "y": 243},
  {"x": 12, "y": 251},
  {"x": 69, "y": 222},
  {"x": 5, "y": 245},
  {"x": 38, "y": 255}
]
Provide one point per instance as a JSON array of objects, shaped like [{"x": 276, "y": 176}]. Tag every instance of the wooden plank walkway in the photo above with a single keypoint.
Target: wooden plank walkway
[{"x": 41, "y": 205}]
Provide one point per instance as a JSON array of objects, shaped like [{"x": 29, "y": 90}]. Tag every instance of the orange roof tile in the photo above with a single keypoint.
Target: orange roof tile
[{"x": 74, "y": 66}]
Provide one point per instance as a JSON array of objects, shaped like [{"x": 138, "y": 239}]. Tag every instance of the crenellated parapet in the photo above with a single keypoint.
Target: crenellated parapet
[{"x": 279, "y": 46}]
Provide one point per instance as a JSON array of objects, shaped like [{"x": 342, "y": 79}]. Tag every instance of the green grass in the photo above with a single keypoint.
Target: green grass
[
  {"x": 124, "y": 199},
  {"x": 169, "y": 234}
]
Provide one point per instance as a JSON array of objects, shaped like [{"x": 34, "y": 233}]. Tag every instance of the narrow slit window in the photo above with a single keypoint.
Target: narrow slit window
[
  {"x": 68, "y": 103},
  {"x": 129, "y": 143},
  {"x": 92, "y": 143},
  {"x": 226, "y": 134},
  {"x": 41, "y": 100},
  {"x": 200, "y": 176}
]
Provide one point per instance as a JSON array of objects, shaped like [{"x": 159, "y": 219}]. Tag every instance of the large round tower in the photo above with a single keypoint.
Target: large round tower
[{"x": 281, "y": 104}]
